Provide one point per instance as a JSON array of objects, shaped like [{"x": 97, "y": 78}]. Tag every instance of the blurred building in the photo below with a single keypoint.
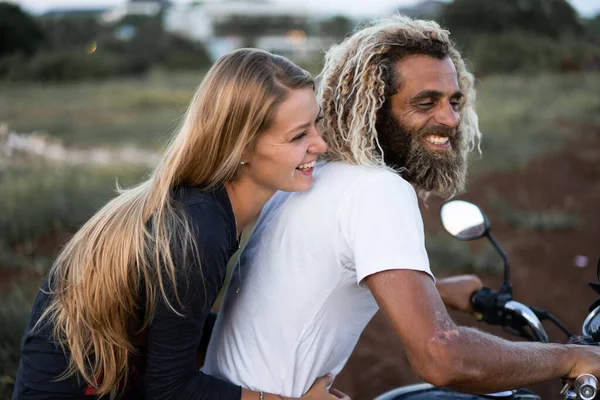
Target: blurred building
[
  {"x": 225, "y": 25},
  {"x": 62, "y": 13},
  {"x": 134, "y": 7}
]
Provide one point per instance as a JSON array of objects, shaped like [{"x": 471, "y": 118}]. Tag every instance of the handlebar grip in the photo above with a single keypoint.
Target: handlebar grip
[
  {"x": 586, "y": 386},
  {"x": 483, "y": 300}
]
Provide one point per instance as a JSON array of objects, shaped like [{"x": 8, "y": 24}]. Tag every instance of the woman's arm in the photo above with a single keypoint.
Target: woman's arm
[
  {"x": 209, "y": 324},
  {"x": 175, "y": 331}
]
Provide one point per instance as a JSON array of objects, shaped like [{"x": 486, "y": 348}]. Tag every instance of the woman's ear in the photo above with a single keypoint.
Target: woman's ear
[{"x": 246, "y": 156}]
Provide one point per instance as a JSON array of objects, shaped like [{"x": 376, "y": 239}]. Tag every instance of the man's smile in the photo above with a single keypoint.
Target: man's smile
[{"x": 438, "y": 142}]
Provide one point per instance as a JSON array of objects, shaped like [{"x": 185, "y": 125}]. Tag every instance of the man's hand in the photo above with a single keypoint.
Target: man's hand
[
  {"x": 587, "y": 361},
  {"x": 456, "y": 291}
]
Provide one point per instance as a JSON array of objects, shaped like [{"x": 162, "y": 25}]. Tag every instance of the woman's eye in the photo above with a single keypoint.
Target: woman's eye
[
  {"x": 300, "y": 136},
  {"x": 319, "y": 118}
]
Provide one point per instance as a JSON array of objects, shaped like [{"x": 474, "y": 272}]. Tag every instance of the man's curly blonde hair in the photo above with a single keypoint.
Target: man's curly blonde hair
[{"x": 358, "y": 78}]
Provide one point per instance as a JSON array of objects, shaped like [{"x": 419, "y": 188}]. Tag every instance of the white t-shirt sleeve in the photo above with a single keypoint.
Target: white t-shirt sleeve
[{"x": 381, "y": 226}]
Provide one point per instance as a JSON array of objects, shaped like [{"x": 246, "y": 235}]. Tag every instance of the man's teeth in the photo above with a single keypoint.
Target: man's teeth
[
  {"x": 437, "y": 139},
  {"x": 307, "y": 165}
]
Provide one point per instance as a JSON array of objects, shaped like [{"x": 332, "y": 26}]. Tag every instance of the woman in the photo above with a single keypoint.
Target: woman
[{"x": 122, "y": 310}]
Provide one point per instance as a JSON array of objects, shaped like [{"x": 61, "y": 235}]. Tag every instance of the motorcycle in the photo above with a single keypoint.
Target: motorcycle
[{"x": 466, "y": 221}]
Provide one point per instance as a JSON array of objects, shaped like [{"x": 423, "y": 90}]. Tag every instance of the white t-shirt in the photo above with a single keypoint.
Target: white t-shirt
[{"x": 301, "y": 308}]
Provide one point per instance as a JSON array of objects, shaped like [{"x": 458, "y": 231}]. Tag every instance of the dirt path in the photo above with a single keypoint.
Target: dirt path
[
  {"x": 15, "y": 146},
  {"x": 543, "y": 271}
]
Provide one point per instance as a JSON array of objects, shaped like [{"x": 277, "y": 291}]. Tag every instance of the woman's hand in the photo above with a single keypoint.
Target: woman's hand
[{"x": 318, "y": 390}]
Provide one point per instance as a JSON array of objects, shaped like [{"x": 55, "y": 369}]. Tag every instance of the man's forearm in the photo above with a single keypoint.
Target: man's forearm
[
  {"x": 481, "y": 363},
  {"x": 445, "y": 354}
]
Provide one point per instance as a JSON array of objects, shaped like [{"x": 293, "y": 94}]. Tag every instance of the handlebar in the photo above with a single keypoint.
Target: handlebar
[
  {"x": 586, "y": 386},
  {"x": 498, "y": 308},
  {"x": 532, "y": 320}
]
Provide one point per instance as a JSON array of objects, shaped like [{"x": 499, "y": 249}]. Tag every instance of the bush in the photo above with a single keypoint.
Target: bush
[
  {"x": 519, "y": 52},
  {"x": 543, "y": 18},
  {"x": 513, "y": 52},
  {"x": 542, "y": 221},
  {"x": 19, "y": 31},
  {"x": 69, "y": 65},
  {"x": 183, "y": 54},
  {"x": 15, "y": 308},
  {"x": 76, "y": 65},
  {"x": 41, "y": 200},
  {"x": 449, "y": 256},
  {"x": 82, "y": 49}
]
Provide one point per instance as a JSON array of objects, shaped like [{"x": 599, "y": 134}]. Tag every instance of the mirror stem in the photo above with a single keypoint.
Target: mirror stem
[{"x": 506, "y": 286}]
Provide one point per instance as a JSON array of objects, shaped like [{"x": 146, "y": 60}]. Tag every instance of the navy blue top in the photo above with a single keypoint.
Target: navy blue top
[{"x": 164, "y": 368}]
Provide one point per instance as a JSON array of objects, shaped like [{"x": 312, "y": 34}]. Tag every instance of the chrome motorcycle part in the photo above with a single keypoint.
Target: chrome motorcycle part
[
  {"x": 463, "y": 220},
  {"x": 592, "y": 322},
  {"x": 586, "y": 386},
  {"x": 532, "y": 320}
]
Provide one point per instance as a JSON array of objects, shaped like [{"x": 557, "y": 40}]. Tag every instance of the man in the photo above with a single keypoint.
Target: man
[{"x": 398, "y": 107}]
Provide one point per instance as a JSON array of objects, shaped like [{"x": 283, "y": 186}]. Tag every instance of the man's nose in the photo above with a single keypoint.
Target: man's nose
[
  {"x": 447, "y": 116},
  {"x": 318, "y": 145}
]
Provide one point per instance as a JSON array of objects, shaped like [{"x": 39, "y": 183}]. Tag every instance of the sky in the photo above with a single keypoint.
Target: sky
[{"x": 351, "y": 7}]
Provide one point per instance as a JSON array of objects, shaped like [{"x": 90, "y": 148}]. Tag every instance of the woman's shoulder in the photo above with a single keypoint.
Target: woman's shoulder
[
  {"x": 209, "y": 210},
  {"x": 191, "y": 195},
  {"x": 204, "y": 203}
]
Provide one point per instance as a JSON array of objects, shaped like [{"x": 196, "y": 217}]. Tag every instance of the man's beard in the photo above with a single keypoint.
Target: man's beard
[{"x": 442, "y": 172}]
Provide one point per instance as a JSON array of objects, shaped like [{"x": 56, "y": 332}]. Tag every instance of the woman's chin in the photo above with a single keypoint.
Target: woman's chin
[{"x": 300, "y": 184}]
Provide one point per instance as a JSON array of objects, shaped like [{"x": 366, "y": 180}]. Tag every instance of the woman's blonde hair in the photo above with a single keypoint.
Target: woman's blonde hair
[
  {"x": 124, "y": 253},
  {"x": 358, "y": 78}
]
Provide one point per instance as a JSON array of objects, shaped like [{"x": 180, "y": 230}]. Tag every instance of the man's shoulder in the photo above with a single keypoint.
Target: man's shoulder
[{"x": 360, "y": 177}]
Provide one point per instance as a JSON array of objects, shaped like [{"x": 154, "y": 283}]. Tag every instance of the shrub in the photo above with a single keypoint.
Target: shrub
[
  {"x": 520, "y": 52},
  {"x": 449, "y": 256},
  {"x": 553, "y": 220},
  {"x": 69, "y": 65},
  {"x": 513, "y": 52},
  {"x": 40, "y": 200},
  {"x": 14, "y": 314},
  {"x": 183, "y": 54},
  {"x": 19, "y": 31}
]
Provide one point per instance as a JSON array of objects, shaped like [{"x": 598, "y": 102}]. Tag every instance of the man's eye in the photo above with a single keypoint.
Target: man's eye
[
  {"x": 455, "y": 105},
  {"x": 300, "y": 136},
  {"x": 427, "y": 104}
]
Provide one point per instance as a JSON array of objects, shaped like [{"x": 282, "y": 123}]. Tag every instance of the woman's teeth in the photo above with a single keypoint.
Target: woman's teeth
[
  {"x": 437, "y": 139},
  {"x": 306, "y": 166}
]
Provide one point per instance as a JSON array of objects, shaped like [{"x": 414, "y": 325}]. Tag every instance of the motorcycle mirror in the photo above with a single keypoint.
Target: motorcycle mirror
[{"x": 464, "y": 220}]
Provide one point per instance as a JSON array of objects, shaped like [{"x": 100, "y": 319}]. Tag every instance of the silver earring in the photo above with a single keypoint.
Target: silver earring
[{"x": 242, "y": 162}]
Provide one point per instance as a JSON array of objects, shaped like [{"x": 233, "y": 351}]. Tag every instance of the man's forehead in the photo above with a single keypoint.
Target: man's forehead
[{"x": 419, "y": 73}]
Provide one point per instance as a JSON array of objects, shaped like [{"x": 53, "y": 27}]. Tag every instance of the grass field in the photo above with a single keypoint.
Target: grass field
[
  {"x": 524, "y": 117},
  {"x": 521, "y": 118},
  {"x": 141, "y": 112}
]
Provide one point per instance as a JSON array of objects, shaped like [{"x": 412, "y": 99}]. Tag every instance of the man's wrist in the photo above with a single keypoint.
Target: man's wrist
[{"x": 569, "y": 360}]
